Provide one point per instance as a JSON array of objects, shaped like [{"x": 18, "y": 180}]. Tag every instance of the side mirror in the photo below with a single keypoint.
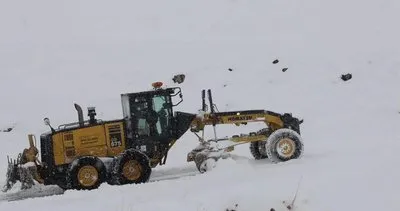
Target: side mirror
[
  {"x": 46, "y": 121},
  {"x": 178, "y": 93}
]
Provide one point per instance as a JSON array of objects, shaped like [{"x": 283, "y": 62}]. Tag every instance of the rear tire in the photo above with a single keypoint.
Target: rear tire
[
  {"x": 130, "y": 167},
  {"x": 86, "y": 173}
]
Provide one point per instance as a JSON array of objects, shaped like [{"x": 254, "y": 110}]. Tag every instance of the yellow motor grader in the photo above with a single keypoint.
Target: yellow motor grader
[{"x": 87, "y": 153}]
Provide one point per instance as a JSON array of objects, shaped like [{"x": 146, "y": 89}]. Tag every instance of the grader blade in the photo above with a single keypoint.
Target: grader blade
[
  {"x": 12, "y": 175},
  {"x": 18, "y": 172}
]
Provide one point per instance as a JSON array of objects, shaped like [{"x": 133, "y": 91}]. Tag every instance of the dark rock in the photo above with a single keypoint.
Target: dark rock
[
  {"x": 346, "y": 77},
  {"x": 236, "y": 206},
  {"x": 284, "y": 69},
  {"x": 275, "y": 61},
  {"x": 179, "y": 78},
  {"x": 6, "y": 130}
]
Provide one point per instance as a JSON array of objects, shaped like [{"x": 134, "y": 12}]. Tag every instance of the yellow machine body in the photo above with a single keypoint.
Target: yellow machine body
[
  {"x": 104, "y": 140},
  {"x": 272, "y": 120}
]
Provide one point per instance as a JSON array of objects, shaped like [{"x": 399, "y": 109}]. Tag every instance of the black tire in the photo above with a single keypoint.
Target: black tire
[
  {"x": 87, "y": 163},
  {"x": 257, "y": 149},
  {"x": 130, "y": 157},
  {"x": 289, "y": 139}
]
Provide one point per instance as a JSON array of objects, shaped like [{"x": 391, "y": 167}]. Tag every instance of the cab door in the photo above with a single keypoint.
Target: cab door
[
  {"x": 152, "y": 117},
  {"x": 143, "y": 119}
]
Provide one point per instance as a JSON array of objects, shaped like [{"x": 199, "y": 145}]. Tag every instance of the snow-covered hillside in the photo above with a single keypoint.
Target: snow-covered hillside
[{"x": 56, "y": 53}]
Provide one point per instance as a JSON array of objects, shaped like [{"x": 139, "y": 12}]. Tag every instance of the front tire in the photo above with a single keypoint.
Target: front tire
[
  {"x": 283, "y": 145},
  {"x": 257, "y": 148}
]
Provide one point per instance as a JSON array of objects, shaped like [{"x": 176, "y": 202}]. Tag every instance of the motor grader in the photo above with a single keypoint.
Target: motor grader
[{"x": 87, "y": 153}]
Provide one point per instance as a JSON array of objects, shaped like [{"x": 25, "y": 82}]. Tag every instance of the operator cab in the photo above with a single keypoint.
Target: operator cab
[{"x": 149, "y": 116}]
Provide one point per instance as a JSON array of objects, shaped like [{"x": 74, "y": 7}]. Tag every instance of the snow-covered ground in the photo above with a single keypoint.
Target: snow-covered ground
[{"x": 55, "y": 53}]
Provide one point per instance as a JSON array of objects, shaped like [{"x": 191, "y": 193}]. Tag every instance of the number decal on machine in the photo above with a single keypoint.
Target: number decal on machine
[{"x": 116, "y": 140}]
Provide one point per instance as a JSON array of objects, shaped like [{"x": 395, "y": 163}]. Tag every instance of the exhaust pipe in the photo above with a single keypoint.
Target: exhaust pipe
[
  {"x": 80, "y": 114},
  {"x": 31, "y": 141}
]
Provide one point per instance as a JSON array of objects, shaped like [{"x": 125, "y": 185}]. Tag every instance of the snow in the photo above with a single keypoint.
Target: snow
[
  {"x": 28, "y": 164},
  {"x": 56, "y": 53}
]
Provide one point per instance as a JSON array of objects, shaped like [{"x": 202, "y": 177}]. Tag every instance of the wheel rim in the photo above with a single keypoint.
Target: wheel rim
[
  {"x": 88, "y": 176},
  {"x": 286, "y": 148},
  {"x": 132, "y": 170}
]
